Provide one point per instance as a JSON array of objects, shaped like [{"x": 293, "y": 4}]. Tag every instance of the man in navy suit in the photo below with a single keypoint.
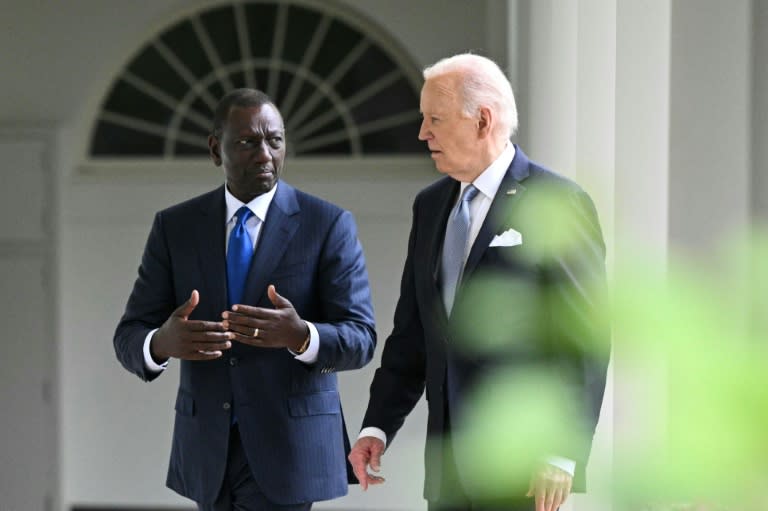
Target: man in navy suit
[
  {"x": 547, "y": 294},
  {"x": 259, "y": 424}
]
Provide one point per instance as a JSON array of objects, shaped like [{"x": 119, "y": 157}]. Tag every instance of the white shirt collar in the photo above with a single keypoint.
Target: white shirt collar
[
  {"x": 259, "y": 205},
  {"x": 489, "y": 180}
]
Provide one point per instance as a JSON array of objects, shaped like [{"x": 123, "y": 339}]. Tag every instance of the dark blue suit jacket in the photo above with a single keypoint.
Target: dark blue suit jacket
[
  {"x": 554, "y": 312},
  {"x": 289, "y": 413}
]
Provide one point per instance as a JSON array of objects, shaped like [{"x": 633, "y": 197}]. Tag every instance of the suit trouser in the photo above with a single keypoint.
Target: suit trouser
[
  {"x": 239, "y": 491},
  {"x": 457, "y": 500}
]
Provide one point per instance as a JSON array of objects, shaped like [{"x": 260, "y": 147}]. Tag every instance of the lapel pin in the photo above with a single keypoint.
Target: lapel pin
[{"x": 512, "y": 191}]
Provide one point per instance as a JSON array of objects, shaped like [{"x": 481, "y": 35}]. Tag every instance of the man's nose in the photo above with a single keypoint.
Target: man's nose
[
  {"x": 262, "y": 153},
  {"x": 424, "y": 133}
]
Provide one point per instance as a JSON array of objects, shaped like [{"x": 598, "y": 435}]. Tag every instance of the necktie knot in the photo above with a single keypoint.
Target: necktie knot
[
  {"x": 243, "y": 214},
  {"x": 470, "y": 193}
]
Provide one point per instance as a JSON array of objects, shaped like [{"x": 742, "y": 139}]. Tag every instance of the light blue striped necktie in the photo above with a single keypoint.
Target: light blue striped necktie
[
  {"x": 239, "y": 254},
  {"x": 455, "y": 246}
]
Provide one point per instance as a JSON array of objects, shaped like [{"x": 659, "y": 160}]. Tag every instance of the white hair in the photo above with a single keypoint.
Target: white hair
[{"x": 483, "y": 84}]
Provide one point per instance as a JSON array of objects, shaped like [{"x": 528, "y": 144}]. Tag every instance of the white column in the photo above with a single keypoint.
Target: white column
[
  {"x": 643, "y": 31},
  {"x": 552, "y": 83},
  {"x": 711, "y": 141},
  {"x": 709, "y": 122},
  {"x": 571, "y": 80}
]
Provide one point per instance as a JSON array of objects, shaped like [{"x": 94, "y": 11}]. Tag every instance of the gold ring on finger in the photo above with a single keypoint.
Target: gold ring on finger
[{"x": 255, "y": 332}]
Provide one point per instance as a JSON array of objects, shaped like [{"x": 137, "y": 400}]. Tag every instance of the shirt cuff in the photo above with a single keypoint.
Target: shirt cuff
[
  {"x": 149, "y": 362},
  {"x": 374, "y": 432},
  {"x": 564, "y": 464},
  {"x": 313, "y": 350}
]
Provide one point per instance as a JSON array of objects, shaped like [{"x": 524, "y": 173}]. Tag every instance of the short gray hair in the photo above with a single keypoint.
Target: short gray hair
[{"x": 483, "y": 84}]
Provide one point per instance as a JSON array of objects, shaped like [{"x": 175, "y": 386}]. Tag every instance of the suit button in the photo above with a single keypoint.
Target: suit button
[
  {"x": 233, "y": 361},
  {"x": 227, "y": 406}
]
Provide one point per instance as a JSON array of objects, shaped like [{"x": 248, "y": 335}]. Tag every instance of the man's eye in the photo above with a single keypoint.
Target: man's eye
[
  {"x": 243, "y": 142},
  {"x": 434, "y": 119},
  {"x": 276, "y": 140}
]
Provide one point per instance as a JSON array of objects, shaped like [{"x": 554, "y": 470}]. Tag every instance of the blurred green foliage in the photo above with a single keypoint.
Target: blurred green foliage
[
  {"x": 692, "y": 336},
  {"x": 515, "y": 421}
]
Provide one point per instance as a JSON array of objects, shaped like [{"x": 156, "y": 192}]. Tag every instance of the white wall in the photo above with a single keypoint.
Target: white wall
[
  {"x": 711, "y": 140},
  {"x": 759, "y": 182},
  {"x": 27, "y": 365},
  {"x": 760, "y": 112},
  {"x": 63, "y": 54}
]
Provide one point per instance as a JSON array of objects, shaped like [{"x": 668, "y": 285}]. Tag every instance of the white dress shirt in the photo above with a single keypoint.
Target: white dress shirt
[
  {"x": 487, "y": 184},
  {"x": 259, "y": 206}
]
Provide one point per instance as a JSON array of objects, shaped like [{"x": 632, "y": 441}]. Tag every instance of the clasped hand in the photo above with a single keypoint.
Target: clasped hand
[
  {"x": 180, "y": 337},
  {"x": 280, "y": 327}
]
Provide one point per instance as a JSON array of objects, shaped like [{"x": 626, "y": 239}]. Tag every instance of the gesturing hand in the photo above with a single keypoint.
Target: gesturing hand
[
  {"x": 366, "y": 452},
  {"x": 550, "y": 486},
  {"x": 280, "y": 327},
  {"x": 180, "y": 337}
]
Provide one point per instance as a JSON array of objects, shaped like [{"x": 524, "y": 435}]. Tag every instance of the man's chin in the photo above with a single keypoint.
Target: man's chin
[
  {"x": 266, "y": 186},
  {"x": 264, "y": 179},
  {"x": 442, "y": 168}
]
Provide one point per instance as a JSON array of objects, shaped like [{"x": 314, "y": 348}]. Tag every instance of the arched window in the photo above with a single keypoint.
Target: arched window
[{"x": 342, "y": 85}]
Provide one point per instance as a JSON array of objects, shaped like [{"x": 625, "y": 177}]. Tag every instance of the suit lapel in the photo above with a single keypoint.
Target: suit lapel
[
  {"x": 509, "y": 192},
  {"x": 210, "y": 235},
  {"x": 280, "y": 226},
  {"x": 442, "y": 206}
]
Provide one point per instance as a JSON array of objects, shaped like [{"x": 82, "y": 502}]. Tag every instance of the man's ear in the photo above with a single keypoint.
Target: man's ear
[
  {"x": 214, "y": 149},
  {"x": 485, "y": 122}
]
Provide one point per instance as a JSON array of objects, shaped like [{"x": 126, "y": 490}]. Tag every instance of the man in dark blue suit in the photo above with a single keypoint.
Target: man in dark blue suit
[
  {"x": 534, "y": 239},
  {"x": 261, "y": 292}
]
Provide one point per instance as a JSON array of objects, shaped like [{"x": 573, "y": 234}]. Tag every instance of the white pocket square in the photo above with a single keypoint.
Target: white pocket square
[{"x": 508, "y": 238}]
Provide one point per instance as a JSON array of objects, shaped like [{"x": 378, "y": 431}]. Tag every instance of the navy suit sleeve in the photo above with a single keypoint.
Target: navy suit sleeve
[
  {"x": 150, "y": 303},
  {"x": 399, "y": 382},
  {"x": 579, "y": 328},
  {"x": 347, "y": 332}
]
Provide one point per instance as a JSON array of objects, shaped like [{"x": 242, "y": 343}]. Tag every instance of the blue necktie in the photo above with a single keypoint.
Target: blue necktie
[
  {"x": 455, "y": 246},
  {"x": 239, "y": 254}
]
